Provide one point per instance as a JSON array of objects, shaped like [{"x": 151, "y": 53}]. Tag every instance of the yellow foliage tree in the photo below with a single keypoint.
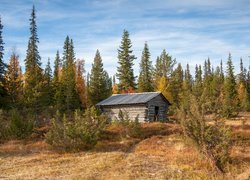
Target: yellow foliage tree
[
  {"x": 241, "y": 91},
  {"x": 163, "y": 86}
]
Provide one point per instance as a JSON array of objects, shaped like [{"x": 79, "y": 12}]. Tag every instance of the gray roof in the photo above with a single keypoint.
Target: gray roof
[{"x": 132, "y": 98}]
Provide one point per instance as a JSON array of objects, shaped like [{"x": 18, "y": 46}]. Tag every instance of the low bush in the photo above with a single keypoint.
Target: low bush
[
  {"x": 129, "y": 127},
  {"x": 14, "y": 125},
  {"x": 78, "y": 133},
  {"x": 20, "y": 126},
  {"x": 4, "y": 125}
]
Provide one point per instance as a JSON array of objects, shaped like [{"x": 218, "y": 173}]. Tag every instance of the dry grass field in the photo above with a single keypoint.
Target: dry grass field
[{"x": 162, "y": 153}]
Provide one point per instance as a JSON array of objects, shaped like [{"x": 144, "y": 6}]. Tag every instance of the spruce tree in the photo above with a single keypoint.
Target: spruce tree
[
  {"x": 145, "y": 77},
  {"x": 207, "y": 93},
  {"x": 3, "y": 93},
  {"x": 33, "y": 70},
  {"x": 2, "y": 64},
  {"x": 164, "y": 66},
  {"x": 230, "y": 101},
  {"x": 221, "y": 70},
  {"x": 14, "y": 83},
  {"x": 188, "y": 80},
  {"x": 168, "y": 63},
  {"x": 71, "y": 98},
  {"x": 99, "y": 83},
  {"x": 47, "y": 87},
  {"x": 198, "y": 83},
  {"x": 187, "y": 89},
  {"x": 177, "y": 86},
  {"x": 216, "y": 86},
  {"x": 125, "y": 73},
  {"x": 57, "y": 67},
  {"x": 243, "y": 94},
  {"x": 57, "y": 83}
]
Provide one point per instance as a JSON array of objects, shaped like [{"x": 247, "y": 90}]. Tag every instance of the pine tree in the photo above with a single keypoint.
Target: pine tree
[
  {"x": 207, "y": 93},
  {"x": 221, "y": 71},
  {"x": 2, "y": 64},
  {"x": 57, "y": 83},
  {"x": 188, "y": 80},
  {"x": 33, "y": 70},
  {"x": 164, "y": 66},
  {"x": 168, "y": 63},
  {"x": 100, "y": 84},
  {"x": 198, "y": 83},
  {"x": 230, "y": 101},
  {"x": 216, "y": 86},
  {"x": 47, "y": 87},
  {"x": 80, "y": 83},
  {"x": 187, "y": 89},
  {"x": 125, "y": 73},
  {"x": 57, "y": 67},
  {"x": 243, "y": 94},
  {"x": 177, "y": 86},
  {"x": 3, "y": 92},
  {"x": 14, "y": 83},
  {"x": 71, "y": 98},
  {"x": 145, "y": 77}
]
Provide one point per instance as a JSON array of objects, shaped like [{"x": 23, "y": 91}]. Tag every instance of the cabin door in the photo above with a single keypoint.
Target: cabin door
[{"x": 156, "y": 113}]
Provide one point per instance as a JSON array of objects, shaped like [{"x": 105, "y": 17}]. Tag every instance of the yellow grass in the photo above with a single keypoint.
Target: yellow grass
[{"x": 162, "y": 154}]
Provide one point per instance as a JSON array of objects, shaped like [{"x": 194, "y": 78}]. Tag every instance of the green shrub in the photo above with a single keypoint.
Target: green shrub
[
  {"x": 78, "y": 133},
  {"x": 131, "y": 128},
  {"x": 213, "y": 141},
  {"x": 3, "y": 125},
  {"x": 20, "y": 126}
]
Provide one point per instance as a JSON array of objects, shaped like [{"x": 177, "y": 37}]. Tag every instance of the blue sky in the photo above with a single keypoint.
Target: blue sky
[{"x": 190, "y": 30}]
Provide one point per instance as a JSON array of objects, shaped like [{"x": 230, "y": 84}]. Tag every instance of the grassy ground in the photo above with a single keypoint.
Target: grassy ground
[{"x": 162, "y": 153}]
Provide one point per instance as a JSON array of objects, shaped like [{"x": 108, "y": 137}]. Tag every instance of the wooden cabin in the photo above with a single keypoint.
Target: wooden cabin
[{"x": 148, "y": 106}]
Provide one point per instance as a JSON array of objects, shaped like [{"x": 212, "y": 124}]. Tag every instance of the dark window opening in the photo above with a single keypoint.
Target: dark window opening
[{"x": 156, "y": 113}]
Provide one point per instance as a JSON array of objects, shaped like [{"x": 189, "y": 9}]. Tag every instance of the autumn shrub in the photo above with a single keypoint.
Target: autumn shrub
[
  {"x": 213, "y": 141},
  {"x": 129, "y": 127},
  {"x": 78, "y": 133}
]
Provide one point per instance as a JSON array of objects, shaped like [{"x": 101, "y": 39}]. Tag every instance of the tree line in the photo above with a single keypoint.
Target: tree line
[{"x": 66, "y": 88}]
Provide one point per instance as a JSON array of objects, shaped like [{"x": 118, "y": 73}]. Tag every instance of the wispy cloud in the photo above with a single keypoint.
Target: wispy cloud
[{"x": 189, "y": 30}]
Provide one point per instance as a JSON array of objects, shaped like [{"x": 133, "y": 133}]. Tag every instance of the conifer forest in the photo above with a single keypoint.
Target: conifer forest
[{"x": 52, "y": 111}]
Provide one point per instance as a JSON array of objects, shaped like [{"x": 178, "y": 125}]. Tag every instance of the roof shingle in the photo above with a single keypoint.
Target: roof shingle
[{"x": 132, "y": 98}]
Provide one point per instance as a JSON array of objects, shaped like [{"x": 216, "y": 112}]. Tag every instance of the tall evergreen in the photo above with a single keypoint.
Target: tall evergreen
[
  {"x": 221, "y": 70},
  {"x": 145, "y": 77},
  {"x": 198, "y": 83},
  {"x": 3, "y": 93},
  {"x": 242, "y": 87},
  {"x": 168, "y": 63},
  {"x": 2, "y": 64},
  {"x": 177, "y": 86},
  {"x": 71, "y": 99},
  {"x": 14, "y": 83},
  {"x": 188, "y": 80},
  {"x": 57, "y": 67},
  {"x": 47, "y": 89},
  {"x": 33, "y": 70},
  {"x": 207, "y": 93},
  {"x": 100, "y": 83},
  {"x": 230, "y": 102},
  {"x": 57, "y": 83},
  {"x": 125, "y": 73},
  {"x": 164, "y": 66},
  {"x": 187, "y": 89}
]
